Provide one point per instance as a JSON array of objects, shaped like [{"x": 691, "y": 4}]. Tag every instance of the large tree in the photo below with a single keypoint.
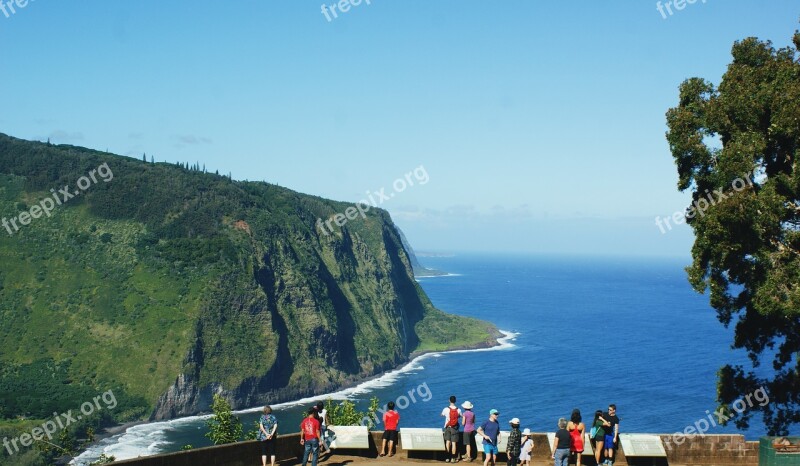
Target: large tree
[{"x": 736, "y": 148}]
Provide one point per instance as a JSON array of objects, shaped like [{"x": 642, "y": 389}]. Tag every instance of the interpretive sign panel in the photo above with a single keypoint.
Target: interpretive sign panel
[
  {"x": 349, "y": 437},
  {"x": 642, "y": 445}
]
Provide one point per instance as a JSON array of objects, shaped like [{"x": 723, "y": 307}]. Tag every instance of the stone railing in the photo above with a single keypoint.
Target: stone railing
[{"x": 707, "y": 450}]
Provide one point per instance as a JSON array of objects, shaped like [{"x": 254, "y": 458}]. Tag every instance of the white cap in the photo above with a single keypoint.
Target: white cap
[{"x": 514, "y": 421}]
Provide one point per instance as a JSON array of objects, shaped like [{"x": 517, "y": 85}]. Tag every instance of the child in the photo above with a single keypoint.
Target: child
[{"x": 527, "y": 448}]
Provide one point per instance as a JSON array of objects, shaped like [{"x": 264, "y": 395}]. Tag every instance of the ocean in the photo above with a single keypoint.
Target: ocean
[{"x": 580, "y": 332}]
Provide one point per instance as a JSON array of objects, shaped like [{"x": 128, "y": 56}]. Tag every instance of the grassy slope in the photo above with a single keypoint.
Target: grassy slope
[{"x": 66, "y": 291}]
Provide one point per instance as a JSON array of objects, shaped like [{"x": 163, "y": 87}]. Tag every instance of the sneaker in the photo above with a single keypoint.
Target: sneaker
[{"x": 447, "y": 460}]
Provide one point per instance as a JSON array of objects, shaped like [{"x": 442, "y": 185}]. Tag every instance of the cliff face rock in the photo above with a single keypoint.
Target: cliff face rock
[
  {"x": 167, "y": 285},
  {"x": 322, "y": 324}
]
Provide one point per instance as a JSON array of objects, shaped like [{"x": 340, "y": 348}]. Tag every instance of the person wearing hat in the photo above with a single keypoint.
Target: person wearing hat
[
  {"x": 526, "y": 449},
  {"x": 514, "y": 442},
  {"x": 468, "y": 436},
  {"x": 490, "y": 432}
]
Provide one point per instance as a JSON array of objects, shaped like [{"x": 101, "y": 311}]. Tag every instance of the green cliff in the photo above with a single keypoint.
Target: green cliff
[{"x": 166, "y": 285}]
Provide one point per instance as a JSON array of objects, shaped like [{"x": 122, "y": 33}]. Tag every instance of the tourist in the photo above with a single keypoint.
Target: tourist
[
  {"x": 323, "y": 427},
  {"x": 468, "y": 436},
  {"x": 390, "y": 420},
  {"x": 598, "y": 434},
  {"x": 490, "y": 432},
  {"x": 451, "y": 434},
  {"x": 309, "y": 437},
  {"x": 527, "y": 448},
  {"x": 267, "y": 428},
  {"x": 561, "y": 444},
  {"x": 514, "y": 442},
  {"x": 576, "y": 427},
  {"x": 612, "y": 433}
]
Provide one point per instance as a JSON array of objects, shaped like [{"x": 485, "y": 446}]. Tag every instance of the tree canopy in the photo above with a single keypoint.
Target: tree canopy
[{"x": 736, "y": 149}]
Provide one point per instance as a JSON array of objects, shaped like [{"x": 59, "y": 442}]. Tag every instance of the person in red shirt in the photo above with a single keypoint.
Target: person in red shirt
[
  {"x": 309, "y": 437},
  {"x": 390, "y": 420}
]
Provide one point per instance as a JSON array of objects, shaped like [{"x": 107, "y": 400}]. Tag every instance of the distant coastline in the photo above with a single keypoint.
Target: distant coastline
[
  {"x": 435, "y": 254},
  {"x": 427, "y": 273}
]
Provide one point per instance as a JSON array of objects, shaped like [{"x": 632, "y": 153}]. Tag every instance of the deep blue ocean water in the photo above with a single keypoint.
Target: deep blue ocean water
[{"x": 586, "y": 332}]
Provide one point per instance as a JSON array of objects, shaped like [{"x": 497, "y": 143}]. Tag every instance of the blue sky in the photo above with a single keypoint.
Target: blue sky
[{"x": 540, "y": 125}]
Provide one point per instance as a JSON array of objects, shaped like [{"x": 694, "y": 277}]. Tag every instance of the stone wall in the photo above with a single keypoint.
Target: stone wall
[
  {"x": 708, "y": 450},
  {"x": 716, "y": 450}
]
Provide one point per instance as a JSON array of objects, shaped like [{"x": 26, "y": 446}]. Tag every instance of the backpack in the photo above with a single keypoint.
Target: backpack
[{"x": 452, "y": 421}]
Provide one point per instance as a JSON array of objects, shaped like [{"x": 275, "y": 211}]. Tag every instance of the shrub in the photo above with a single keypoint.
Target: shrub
[
  {"x": 224, "y": 426},
  {"x": 346, "y": 414}
]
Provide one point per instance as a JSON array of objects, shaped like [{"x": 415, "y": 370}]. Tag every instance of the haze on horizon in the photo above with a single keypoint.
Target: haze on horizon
[{"x": 539, "y": 124}]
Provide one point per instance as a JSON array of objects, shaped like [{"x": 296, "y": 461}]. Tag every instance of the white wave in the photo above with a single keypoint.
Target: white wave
[
  {"x": 139, "y": 440},
  {"x": 150, "y": 439}
]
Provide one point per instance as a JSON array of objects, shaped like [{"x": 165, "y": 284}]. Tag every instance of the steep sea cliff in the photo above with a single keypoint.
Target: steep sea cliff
[{"x": 168, "y": 285}]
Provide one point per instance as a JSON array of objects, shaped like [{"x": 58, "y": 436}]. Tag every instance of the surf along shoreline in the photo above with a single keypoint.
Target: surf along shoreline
[{"x": 500, "y": 341}]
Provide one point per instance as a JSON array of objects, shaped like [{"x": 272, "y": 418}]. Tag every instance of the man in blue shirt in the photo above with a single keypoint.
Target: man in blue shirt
[{"x": 490, "y": 432}]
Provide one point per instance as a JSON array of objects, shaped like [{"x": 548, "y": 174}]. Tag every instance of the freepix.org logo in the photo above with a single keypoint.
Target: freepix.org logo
[
  {"x": 667, "y": 6},
  {"x": 702, "y": 204},
  {"x": 10, "y": 7},
  {"x": 420, "y": 176},
  {"x": 63, "y": 195},
  {"x": 719, "y": 417},
  {"x": 59, "y": 422},
  {"x": 329, "y": 11},
  {"x": 422, "y": 393}
]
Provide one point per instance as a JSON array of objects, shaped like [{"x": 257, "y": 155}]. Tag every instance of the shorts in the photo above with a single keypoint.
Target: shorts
[
  {"x": 490, "y": 449},
  {"x": 609, "y": 443},
  {"x": 468, "y": 438},
  {"x": 267, "y": 447},
  {"x": 390, "y": 435},
  {"x": 451, "y": 434}
]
